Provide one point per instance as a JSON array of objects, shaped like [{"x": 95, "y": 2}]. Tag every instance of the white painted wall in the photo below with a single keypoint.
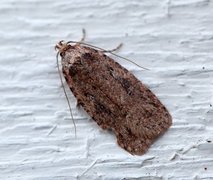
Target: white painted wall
[{"x": 174, "y": 39}]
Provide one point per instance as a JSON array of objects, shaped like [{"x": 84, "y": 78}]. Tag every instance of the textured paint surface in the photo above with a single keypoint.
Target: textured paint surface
[{"x": 172, "y": 38}]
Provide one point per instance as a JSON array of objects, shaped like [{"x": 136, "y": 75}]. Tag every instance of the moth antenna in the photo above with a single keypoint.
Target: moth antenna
[
  {"x": 83, "y": 35},
  {"x": 70, "y": 109},
  {"x": 113, "y": 50},
  {"x": 129, "y": 60},
  {"x": 108, "y": 52}
]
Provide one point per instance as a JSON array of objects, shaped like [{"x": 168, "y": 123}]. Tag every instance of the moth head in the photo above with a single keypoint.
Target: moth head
[{"x": 62, "y": 46}]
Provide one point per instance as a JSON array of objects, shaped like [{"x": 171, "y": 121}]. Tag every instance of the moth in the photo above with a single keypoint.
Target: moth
[{"x": 113, "y": 96}]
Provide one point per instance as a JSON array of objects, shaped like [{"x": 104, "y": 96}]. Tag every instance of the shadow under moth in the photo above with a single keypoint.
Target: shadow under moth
[{"x": 113, "y": 96}]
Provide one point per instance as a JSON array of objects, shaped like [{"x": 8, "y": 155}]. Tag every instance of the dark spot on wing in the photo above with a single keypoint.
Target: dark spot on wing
[
  {"x": 72, "y": 71},
  {"x": 125, "y": 84},
  {"x": 100, "y": 108},
  {"x": 111, "y": 70},
  {"x": 87, "y": 56}
]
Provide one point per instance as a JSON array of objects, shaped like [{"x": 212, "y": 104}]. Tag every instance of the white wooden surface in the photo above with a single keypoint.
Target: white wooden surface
[{"x": 173, "y": 38}]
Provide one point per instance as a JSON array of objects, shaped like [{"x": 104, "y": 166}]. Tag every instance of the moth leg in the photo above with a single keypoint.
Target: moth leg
[
  {"x": 83, "y": 35},
  {"x": 113, "y": 50}
]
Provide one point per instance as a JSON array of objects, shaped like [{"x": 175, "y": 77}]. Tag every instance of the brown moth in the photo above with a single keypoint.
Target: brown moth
[{"x": 113, "y": 96}]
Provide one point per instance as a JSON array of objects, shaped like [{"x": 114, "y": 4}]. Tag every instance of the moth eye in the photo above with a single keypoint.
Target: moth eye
[{"x": 62, "y": 54}]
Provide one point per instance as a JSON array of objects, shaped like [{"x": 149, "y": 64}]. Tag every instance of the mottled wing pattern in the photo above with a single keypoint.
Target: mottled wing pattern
[{"x": 115, "y": 98}]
